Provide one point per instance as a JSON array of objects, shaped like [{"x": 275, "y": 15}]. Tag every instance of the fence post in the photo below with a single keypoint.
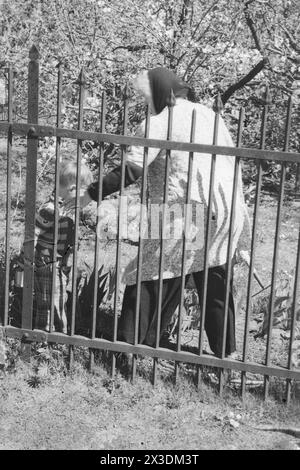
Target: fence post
[
  {"x": 297, "y": 182},
  {"x": 8, "y": 195},
  {"x": 30, "y": 198}
]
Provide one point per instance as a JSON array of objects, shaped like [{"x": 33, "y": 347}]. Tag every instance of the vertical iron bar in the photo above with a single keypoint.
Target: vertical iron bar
[
  {"x": 56, "y": 193},
  {"x": 293, "y": 319},
  {"x": 31, "y": 174},
  {"x": 8, "y": 196},
  {"x": 119, "y": 235},
  {"x": 162, "y": 242},
  {"x": 218, "y": 106},
  {"x": 81, "y": 83},
  {"x": 274, "y": 275},
  {"x": 185, "y": 229},
  {"x": 297, "y": 180},
  {"x": 250, "y": 277},
  {"x": 140, "y": 249},
  {"x": 97, "y": 244},
  {"x": 276, "y": 246},
  {"x": 253, "y": 241},
  {"x": 230, "y": 242}
]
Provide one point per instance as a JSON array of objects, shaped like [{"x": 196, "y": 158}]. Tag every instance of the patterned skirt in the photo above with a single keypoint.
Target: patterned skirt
[{"x": 43, "y": 295}]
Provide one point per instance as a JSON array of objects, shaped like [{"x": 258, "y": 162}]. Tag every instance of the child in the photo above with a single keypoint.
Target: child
[{"x": 65, "y": 244}]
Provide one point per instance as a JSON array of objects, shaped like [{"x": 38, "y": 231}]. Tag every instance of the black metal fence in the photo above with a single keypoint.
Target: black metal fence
[{"x": 33, "y": 131}]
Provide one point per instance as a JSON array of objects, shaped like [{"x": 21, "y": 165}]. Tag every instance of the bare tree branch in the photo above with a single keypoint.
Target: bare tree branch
[
  {"x": 182, "y": 22},
  {"x": 185, "y": 14},
  {"x": 292, "y": 40},
  {"x": 203, "y": 17},
  {"x": 140, "y": 47},
  {"x": 196, "y": 68},
  {"x": 233, "y": 88},
  {"x": 251, "y": 25},
  {"x": 258, "y": 67},
  {"x": 191, "y": 63}
]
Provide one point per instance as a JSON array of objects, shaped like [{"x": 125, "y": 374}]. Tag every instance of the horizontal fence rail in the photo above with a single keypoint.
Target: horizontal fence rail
[
  {"x": 33, "y": 131},
  {"x": 242, "y": 152},
  {"x": 144, "y": 350}
]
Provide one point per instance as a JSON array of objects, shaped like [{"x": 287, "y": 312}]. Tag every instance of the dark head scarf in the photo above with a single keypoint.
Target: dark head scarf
[{"x": 161, "y": 82}]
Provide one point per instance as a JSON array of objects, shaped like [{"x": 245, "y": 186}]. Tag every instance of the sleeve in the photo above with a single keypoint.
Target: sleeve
[
  {"x": 112, "y": 181},
  {"x": 134, "y": 159}
]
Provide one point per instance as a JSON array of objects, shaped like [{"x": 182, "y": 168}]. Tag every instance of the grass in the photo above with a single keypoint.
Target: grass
[{"x": 81, "y": 410}]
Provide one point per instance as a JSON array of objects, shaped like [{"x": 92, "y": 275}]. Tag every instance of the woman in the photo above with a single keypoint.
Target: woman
[{"x": 156, "y": 85}]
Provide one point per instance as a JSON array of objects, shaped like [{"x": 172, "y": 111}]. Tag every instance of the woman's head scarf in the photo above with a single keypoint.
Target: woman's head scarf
[{"x": 162, "y": 81}]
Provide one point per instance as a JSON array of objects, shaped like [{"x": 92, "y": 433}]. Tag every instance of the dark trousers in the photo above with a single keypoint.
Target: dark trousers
[{"x": 214, "y": 317}]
